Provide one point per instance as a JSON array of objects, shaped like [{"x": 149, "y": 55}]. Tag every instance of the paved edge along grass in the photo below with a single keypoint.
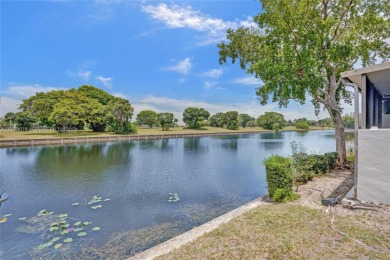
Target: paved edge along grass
[
  {"x": 189, "y": 236},
  {"x": 10, "y": 139}
]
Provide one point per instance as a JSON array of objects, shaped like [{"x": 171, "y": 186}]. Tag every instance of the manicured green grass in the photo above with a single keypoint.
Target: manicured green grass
[{"x": 288, "y": 231}]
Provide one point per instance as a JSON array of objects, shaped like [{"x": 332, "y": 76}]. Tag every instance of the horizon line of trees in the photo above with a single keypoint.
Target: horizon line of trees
[{"x": 93, "y": 108}]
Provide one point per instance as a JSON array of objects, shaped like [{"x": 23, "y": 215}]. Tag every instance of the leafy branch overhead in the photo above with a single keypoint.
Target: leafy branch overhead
[{"x": 301, "y": 46}]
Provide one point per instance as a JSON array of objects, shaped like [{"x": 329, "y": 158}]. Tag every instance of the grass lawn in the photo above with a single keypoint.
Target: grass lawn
[
  {"x": 5, "y": 135},
  {"x": 290, "y": 231}
]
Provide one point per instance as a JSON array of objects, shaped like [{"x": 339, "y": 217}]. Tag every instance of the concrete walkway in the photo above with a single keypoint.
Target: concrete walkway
[{"x": 191, "y": 235}]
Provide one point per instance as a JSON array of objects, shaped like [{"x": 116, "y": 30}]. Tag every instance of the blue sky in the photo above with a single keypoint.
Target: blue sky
[{"x": 161, "y": 55}]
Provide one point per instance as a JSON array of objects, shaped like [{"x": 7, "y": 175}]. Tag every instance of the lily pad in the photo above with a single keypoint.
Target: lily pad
[
  {"x": 78, "y": 229},
  {"x": 86, "y": 223},
  {"x": 49, "y": 244},
  {"x": 55, "y": 239},
  {"x": 7, "y": 215},
  {"x": 96, "y": 228},
  {"x": 3, "y": 220},
  {"x": 64, "y": 232},
  {"x": 68, "y": 240},
  {"x": 24, "y": 218},
  {"x": 65, "y": 225},
  {"x": 42, "y": 212},
  {"x": 63, "y": 215},
  {"x": 77, "y": 223},
  {"x": 54, "y": 224},
  {"x": 42, "y": 246},
  {"x": 62, "y": 222},
  {"x": 57, "y": 245},
  {"x": 96, "y": 207},
  {"x": 106, "y": 199},
  {"x": 75, "y": 204},
  {"x": 53, "y": 229},
  {"x": 81, "y": 234}
]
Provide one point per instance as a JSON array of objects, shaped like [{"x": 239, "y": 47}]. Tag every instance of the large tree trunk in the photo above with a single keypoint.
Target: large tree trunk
[
  {"x": 335, "y": 113},
  {"x": 340, "y": 139},
  {"x": 340, "y": 136}
]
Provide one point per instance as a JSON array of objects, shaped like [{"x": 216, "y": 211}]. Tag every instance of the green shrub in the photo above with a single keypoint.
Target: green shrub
[
  {"x": 284, "y": 195},
  {"x": 125, "y": 128},
  {"x": 302, "y": 125},
  {"x": 307, "y": 166},
  {"x": 279, "y": 177}
]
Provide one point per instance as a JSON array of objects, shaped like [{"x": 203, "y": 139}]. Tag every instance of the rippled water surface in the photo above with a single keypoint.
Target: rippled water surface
[{"x": 211, "y": 175}]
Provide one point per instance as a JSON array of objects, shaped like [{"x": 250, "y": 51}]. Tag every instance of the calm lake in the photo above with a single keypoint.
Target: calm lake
[{"x": 148, "y": 191}]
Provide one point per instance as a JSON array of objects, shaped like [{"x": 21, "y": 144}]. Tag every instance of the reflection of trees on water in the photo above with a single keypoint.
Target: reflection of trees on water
[
  {"x": 21, "y": 150},
  {"x": 86, "y": 159},
  {"x": 147, "y": 144},
  {"x": 302, "y": 133},
  {"x": 226, "y": 137},
  {"x": 349, "y": 138},
  {"x": 230, "y": 145},
  {"x": 271, "y": 145},
  {"x": 275, "y": 135},
  {"x": 159, "y": 144},
  {"x": 194, "y": 145}
]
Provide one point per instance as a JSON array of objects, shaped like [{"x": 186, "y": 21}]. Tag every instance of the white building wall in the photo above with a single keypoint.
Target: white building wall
[
  {"x": 386, "y": 121},
  {"x": 374, "y": 166}
]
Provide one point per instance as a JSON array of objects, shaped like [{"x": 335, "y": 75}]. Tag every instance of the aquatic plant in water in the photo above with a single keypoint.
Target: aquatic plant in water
[{"x": 173, "y": 197}]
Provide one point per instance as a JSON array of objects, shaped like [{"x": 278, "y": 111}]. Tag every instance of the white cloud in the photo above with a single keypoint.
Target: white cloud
[
  {"x": 81, "y": 74},
  {"x": 25, "y": 91},
  {"x": 84, "y": 74},
  {"x": 182, "y": 66},
  {"x": 107, "y": 82},
  {"x": 214, "y": 73},
  {"x": 248, "y": 81},
  {"x": 209, "y": 84},
  {"x": 175, "y": 16},
  {"x": 8, "y": 105}
]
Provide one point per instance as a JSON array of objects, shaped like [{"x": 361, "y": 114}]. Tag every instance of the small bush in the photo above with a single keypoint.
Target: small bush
[
  {"x": 279, "y": 178},
  {"x": 302, "y": 125},
  {"x": 284, "y": 195},
  {"x": 126, "y": 128},
  {"x": 307, "y": 166}
]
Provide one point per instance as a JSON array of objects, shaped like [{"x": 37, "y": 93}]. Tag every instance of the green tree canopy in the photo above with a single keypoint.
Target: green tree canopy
[
  {"x": 25, "y": 120},
  {"x": 271, "y": 121},
  {"x": 193, "y": 116},
  {"x": 243, "y": 119},
  {"x": 217, "y": 120},
  {"x": 86, "y": 105},
  {"x": 96, "y": 93},
  {"x": 349, "y": 121},
  {"x": 251, "y": 123},
  {"x": 302, "y": 46},
  {"x": 147, "y": 117},
  {"x": 166, "y": 120},
  {"x": 231, "y": 120},
  {"x": 119, "y": 112},
  {"x": 302, "y": 125},
  {"x": 10, "y": 117}
]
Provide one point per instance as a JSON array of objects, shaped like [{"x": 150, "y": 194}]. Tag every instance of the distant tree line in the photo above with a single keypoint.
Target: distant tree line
[{"x": 93, "y": 108}]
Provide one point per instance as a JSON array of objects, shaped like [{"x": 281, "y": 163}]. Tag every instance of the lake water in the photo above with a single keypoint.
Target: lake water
[{"x": 211, "y": 175}]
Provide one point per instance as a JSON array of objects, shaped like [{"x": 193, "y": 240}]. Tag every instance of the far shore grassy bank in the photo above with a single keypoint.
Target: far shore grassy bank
[{"x": 20, "y": 135}]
